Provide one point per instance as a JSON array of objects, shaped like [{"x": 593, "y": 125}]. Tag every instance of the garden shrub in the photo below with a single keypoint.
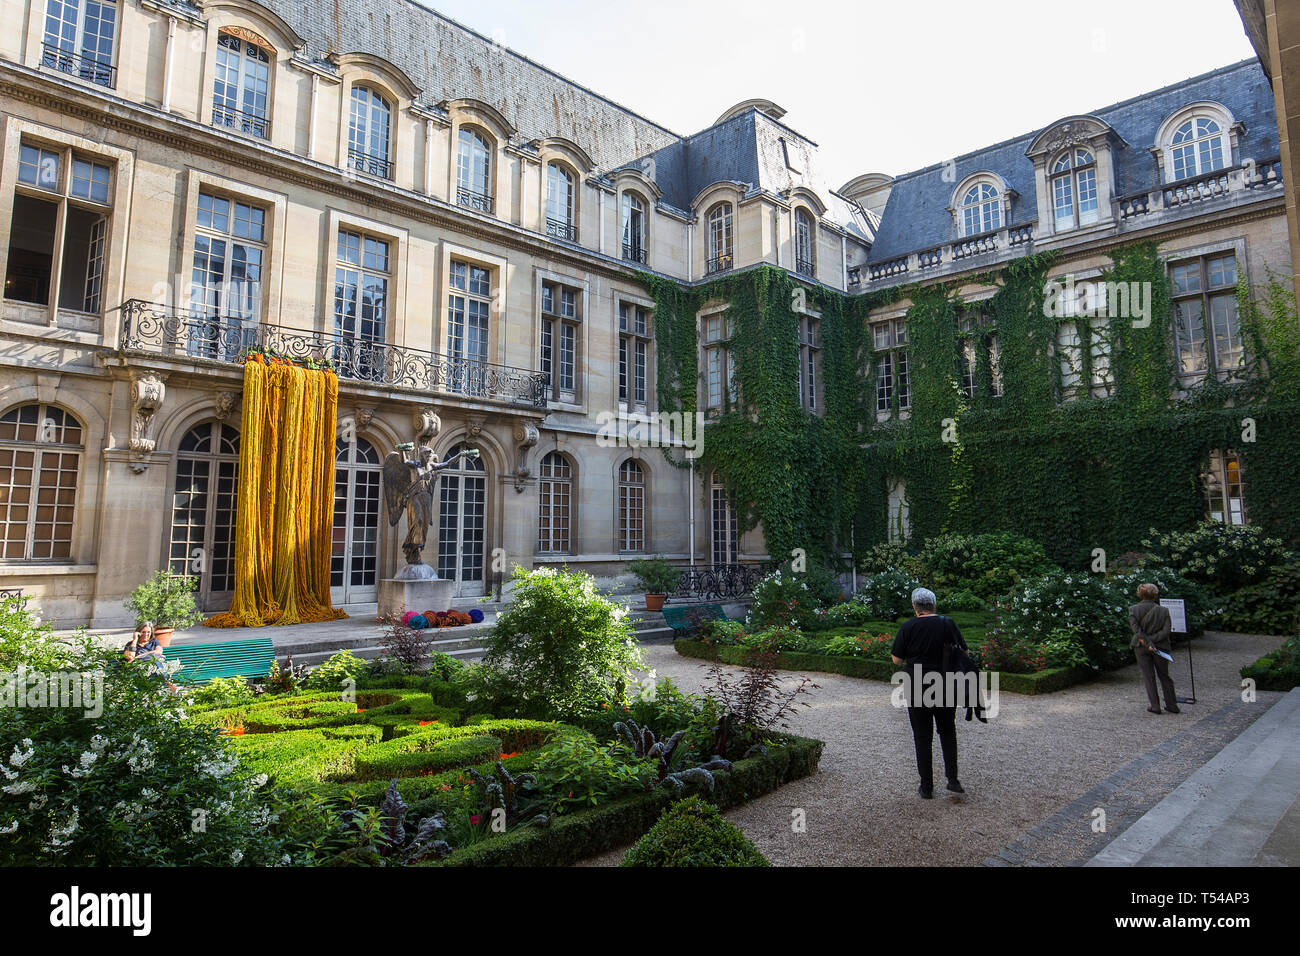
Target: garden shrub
[
  {"x": 581, "y": 772},
  {"x": 1170, "y": 584},
  {"x": 559, "y": 650},
  {"x": 25, "y": 642},
  {"x": 1083, "y": 603},
  {"x": 340, "y": 671},
  {"x": 885, "y": 556},
  {"x": 889, "y": 593},
  {"x": 1060, "y": 648},
  {"x": 1278, "y": 671},
  {"x": 781, "y": 597},
  {"x": 1015, "y": 654},
  {"x": 986, "y": 565},
  {"x": 1270, "y": 606},
  {"x": 447, "y": 753},
  {"x": 1220, "y": 557},
  {"x": 851, "y": 613},
  {"x": 693, "y": 833},
  {"x": 222, "y": 692}
]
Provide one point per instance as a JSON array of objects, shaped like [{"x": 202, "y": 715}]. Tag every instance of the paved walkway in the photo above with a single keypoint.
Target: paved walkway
[{"x": 1038, "y": 755}]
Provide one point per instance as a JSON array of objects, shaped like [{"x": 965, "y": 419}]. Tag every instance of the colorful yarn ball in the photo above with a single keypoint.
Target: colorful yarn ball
[
  {"x": 419, "y": 622},
  {"x": 475, "y": 615},
  {"x": 406, "y": 618}
]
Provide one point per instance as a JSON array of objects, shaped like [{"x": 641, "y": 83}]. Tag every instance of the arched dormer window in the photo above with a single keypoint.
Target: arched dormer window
[
  {"x": 721, "y": 256},
  {"x": 634, "y": 226},
  {"x": 980, "y": 210},
  {"x": 1196, "y": 147},
  {"x": 1074, "y": 189},
  {"x": 241, "y": 89},
  {"x": 804, "y": 244},
  {"x": 370, "y": 133},
  {"x": 79, "y": 39},
  {"x": 473, "y": 170},
  {"x": 560, "y": 202}
]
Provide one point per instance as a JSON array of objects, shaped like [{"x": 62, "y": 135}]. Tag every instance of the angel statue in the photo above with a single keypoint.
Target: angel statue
[{"x": 409, "y": 485}]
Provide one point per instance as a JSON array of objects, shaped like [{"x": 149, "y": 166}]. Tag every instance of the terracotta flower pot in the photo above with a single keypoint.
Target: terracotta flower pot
[
  {"x": 654, "y": 602},
  {"x": 164, "y": 635}
]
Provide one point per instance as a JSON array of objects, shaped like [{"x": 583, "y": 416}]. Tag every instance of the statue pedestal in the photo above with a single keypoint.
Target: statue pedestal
[{"x": 398, "y": 595}]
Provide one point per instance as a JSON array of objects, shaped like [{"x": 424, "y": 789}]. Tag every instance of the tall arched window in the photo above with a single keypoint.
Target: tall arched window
[
  {"x": 370, "y": 133},
  {"x": 462, "y": 522},
  {"x": 1197, "y": 147},
  {"x": 354, "y": 556},
  {"x": 804, "y": 264},
  {"x": 473, "y": 171},
  {"x": 40, "y": 461},
  {"x": 634, "y": 222},
  {"x": 554, "y": 504},
  {"x": 724, "y": 536},
  {"x": 720, "y": 238},
  {"x": 981, "y": 209},
  {"x": 559, "y": 203},
  {"x": 203, "y": 511},
  {"x": 240, "y": 92},
  {"x": 631, "y": 506},
  {"x": 1074, "y": 189}
]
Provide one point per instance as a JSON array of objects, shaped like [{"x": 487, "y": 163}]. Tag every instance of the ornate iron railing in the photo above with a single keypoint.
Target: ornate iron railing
[
  {"x": 244, "y": 122},
  {"x": 633, "y": 253},
  {"x": 561, "y": 229},
  {"x": 718, "y": 264},
  {"x": 803, "y": 267},
  {"x": 380, "y": 166},
  {"x": 480, "y": 201},
  {"x": 17, "y": 593},
  {"x": 156, "y": 329},
  {"x": 77, "y": 64},
  {"x": 712, "y": 582}
]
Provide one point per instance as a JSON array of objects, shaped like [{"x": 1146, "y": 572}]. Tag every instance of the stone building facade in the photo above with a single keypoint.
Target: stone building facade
[{"x": 460, "y": 232}]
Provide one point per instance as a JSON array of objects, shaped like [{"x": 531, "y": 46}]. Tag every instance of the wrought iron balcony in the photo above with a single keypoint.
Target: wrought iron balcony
[
  {"x": 76, "y": 64},
  {"x": 241, "y": 121},
  {"x": 480, "y": 201},
  {"x": 719, "y": 264},
  {"x": 633, "y": 253},
  {"x": 159, "y": 330},
  {"x": 712, "y": 582},
  {"x": 803, "y": 266},
  {"x": 379, "y": 166},
  {"x": 561, "y": 229}
]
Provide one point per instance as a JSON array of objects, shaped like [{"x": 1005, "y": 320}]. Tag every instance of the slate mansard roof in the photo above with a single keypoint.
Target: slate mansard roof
[{"x": 916, "y": 215}]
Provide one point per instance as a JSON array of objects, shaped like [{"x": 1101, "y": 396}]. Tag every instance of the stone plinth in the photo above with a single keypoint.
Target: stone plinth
[{"x": 429, "y": 594}]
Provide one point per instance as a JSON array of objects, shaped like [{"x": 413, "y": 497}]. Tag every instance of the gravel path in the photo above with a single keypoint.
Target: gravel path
[{"x": 1037, "y": 755}]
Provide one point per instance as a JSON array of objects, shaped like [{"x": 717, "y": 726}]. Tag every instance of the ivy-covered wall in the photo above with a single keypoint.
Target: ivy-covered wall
[{"x": 1093, "y": 472}]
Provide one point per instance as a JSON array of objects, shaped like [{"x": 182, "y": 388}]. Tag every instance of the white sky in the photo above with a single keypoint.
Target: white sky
[{"x": 879, "y": 86}]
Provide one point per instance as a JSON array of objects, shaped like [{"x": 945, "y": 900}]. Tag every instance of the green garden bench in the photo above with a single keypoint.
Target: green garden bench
[
  {"x": 202, "y": 662},
  {"x": 692, "y": 617}
]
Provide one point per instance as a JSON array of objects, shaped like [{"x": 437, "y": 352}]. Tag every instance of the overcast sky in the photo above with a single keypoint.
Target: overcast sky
[{"x": 880, "y": 86}]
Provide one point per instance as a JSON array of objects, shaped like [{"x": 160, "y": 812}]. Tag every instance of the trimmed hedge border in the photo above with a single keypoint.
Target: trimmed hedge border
[
  {"x": 576, "y": 836},
  {"x": 1043, "y": 682},
  {"x": 1269, "y": 674}
]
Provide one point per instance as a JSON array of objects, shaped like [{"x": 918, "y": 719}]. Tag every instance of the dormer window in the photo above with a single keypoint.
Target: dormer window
[
  {"x": 473, "y": 171},
  {"x": 633, "y": 227},
  {"x": 804, "y": 231},
  {"x": 720, "y": 238},
  {"x": 79, "y": 38},
  {"x": 1197, "y": 147},
  {"x": 559, "y": 203},
  {"x": 981, "y": 209},
  {"x": 240, "y": 92},
  {"x": 1074, "y": 189},
  {"x": 370, "y": 133}
]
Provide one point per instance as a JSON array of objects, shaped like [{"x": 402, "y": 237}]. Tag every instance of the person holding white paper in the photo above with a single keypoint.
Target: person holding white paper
[{"x": 1151, "y": 645}]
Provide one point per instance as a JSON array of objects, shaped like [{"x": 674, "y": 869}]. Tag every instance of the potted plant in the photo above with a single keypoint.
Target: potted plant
[
  {"x": 657, "y": 578},
  {"x": 167, "y": 600}
]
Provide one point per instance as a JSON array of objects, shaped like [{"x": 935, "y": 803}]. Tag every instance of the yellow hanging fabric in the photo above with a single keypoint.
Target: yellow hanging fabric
[{"x": 285, "y": 513}]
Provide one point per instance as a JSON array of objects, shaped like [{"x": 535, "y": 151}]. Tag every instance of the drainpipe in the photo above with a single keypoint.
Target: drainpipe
[{"x": 692, "y": 507}]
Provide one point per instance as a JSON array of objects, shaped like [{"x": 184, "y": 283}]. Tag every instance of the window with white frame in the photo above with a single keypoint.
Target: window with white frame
[
  {"x": 226, "y": 279},
  {"x": 1070, "y": 355},
  {"x": 57, "y": 183},
  {"x": 634, "y": 336},
  {"x": 981, "y": 209},
  {"x": 1207, "y": 327},
  {"x": 634, "y": 227},
  {"x": 469, "y": 307},
  {"x": 631, "y": 506},
  {"x": 362, "y": 271},
  {"x": 473, "y": 170},
  {"x": 561, "y": 315},
  {"x": 893, "y": 387},
  {"x": 724, "y": 535},
  {"x": 1224, "y": 492},
  {"x": 40, "y": 462},
  {"x": 241, "y": 88},
  {"x": 719, "y": 374},
  {"x": 810, "y": 362},
  {"x": 559, "y": 203},
  {"x": 370, "y": 133},
  {"x": 720, "y": 238},
  {"x": 805, "y": 231},
  {"x": 79, "y": 37},
  {"x": 1074, "y": 189},
  {"x": 554, "y": 504},
  {"x": 1196, "y": 147}
]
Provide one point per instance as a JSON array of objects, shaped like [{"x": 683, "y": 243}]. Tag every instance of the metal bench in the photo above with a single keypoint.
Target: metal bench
[
  {"x": 202, "y": 662},
  {"x": 692, "y": 617}
]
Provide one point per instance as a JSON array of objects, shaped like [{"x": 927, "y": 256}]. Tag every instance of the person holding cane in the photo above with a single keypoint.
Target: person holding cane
[{"x": 1151, "y": 646}]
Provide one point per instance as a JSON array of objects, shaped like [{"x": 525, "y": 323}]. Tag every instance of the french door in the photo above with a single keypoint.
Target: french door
[
  {"x": 203, "y": 512},
  {"x": 462, "y": 524},
  {"x": 354, "y": 557}
]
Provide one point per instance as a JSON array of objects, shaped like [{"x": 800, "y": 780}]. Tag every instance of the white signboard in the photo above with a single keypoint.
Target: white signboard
[{"x": 1177, "y": 614}]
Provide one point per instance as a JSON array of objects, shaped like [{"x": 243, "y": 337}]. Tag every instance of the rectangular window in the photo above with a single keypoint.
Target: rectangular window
[
  {"x": 809, "y": 362},
  {"x": 361, "y": 275},
  {"x": 560, "y": 340},
  {"x": 54, "y": 184},
  {"x": 79, "y": 37},
  {"x": 633, "y": 355},
  {"x": 1207, "y": 328},
  {"x": 719, "y": 373},
  {"x": 469, "y": 306},
  {"x": 892, "y": 384},
  {"x": 1225, "y": 499}
]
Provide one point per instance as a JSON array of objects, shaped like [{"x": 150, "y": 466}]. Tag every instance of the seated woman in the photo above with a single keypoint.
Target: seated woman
[{"x": 144, "y": 647}]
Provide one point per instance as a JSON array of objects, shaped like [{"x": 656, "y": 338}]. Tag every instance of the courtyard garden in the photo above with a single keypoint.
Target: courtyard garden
[
  {"x": 550, "y": 750},
  {"x": 1040, "y": 626}
]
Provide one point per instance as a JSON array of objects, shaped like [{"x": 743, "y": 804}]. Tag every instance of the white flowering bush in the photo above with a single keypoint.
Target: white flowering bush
[
  {"x": 781, "y": 597},
  {"x": 132, "y": 784},
  {"x": 1220, "y": 557},
  {"x": 889, "y": 593},
  {"x": 1084, "y": 604}
]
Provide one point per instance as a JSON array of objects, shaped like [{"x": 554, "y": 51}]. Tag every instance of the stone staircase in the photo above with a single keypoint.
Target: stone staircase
[{"x": 1242, "y": 808}]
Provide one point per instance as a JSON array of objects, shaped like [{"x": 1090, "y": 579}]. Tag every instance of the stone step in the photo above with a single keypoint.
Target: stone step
[{"x": 1239, "y": 809}]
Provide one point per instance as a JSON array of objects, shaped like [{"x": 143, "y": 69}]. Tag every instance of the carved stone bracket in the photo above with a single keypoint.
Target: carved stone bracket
[
  {"x": 227, "y": 401},
  {"x": 526, "y": 435},
  {"x": 427, "y": 425},
  {"x": 147, "y": 393}
]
